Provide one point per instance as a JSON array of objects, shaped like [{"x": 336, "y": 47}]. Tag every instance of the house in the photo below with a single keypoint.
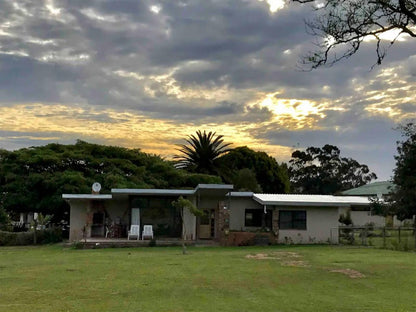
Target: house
[
  {"x": 288, "y": 218},
  {"x": 379, "y": 189},
  {"x": 376, "y": 190}
]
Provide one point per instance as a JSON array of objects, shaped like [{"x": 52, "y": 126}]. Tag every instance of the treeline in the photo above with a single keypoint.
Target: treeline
[{"x": 34, "y": 179}]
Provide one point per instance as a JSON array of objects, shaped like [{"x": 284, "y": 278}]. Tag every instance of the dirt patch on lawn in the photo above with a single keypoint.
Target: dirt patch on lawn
[
  {"x": 349, "y": 272},
  {"x": 286, "y": 258}
]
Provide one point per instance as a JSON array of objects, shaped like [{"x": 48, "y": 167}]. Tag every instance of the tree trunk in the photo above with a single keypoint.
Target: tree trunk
[{"x": 184, "y": 251}]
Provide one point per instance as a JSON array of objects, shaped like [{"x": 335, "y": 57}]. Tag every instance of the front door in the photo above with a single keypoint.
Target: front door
[{"x": 207, "y": 224}]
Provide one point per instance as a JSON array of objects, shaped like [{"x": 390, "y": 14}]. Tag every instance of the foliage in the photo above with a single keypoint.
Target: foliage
[
  {"x": 343, "y": 26},
  {"x": 4, "y": 218},
  {"x": 34, "y": 179},
  {"x": 324, "y": 171},
  {"x": 345, "y": 218},
  {"x": 182, "y": 203},
  {"x": 245, "y": 180},
  {"x": 39, "y": 223},
  {"x": 46, "y": 236},
  {"x": 380, "y": 207},
  {"x": 270, "y": 176},
  {"x": 201, "y": 152},
  {"x": 403, "y": 197}
]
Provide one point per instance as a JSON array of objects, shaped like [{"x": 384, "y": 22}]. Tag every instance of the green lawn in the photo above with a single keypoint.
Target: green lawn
[{"x": 53, "y": 278}]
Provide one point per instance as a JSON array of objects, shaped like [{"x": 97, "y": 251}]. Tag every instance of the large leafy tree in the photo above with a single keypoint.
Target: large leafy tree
[
  {"x": 324, "y": 171},
  {"x": 342, "y": 26},
  {"x": 201, "y": 152},
  {"x": 33, "y": 179},
  {"x": 254, "y": 171},
  {"x": 403, "y": 196}
]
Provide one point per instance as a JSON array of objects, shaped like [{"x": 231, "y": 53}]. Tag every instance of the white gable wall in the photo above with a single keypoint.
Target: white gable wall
[
  {"x": 237, "y": 212},
  {"x": 321, "y": 222},
  {"x": 77, "y": 219},
  {"x": 321, "y": 226}
]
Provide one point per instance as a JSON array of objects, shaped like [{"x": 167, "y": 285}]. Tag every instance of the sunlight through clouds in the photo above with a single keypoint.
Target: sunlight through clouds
[
  {"x": 292, "y": 113},
  {"x": 275, "y": 5}
]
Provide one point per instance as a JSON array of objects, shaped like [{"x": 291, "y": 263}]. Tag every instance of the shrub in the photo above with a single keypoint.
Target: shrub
[
  {"x": 77, "y": 245},
  {"x": 50, "y": 236},
  {"x": 16, "y": 239},
  {"x": 47, "y": 236}
]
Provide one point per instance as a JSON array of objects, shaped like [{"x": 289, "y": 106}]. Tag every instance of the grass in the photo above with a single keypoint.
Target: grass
[{"x": 53, "y": 278}]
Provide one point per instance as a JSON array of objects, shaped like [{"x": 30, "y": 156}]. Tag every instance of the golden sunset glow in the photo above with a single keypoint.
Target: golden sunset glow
[
  {"x": 147, "y": 74},
  {"x": 292, "y": 113},
  {"x": 123, "y": 129}
]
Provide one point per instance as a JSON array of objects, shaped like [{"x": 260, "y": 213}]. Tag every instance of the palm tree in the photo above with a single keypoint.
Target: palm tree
[{"x": 201, "y": 152}]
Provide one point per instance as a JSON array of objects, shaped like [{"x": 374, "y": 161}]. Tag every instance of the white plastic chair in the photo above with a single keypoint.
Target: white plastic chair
[
  {"x": 147, "y": 231},
  {"x": 134, "y": 231}
]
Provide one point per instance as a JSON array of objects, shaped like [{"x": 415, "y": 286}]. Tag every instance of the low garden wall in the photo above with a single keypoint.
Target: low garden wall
[{"x": 248, "y": 239}]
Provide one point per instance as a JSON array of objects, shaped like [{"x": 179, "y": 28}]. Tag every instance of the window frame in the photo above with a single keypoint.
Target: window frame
[
  {"x": 295, "y": 222},
  {"x": 262, "y": 218}
]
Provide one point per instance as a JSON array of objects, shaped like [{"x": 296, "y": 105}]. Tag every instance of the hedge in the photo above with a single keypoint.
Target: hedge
[{"x": 47, "y": 236}]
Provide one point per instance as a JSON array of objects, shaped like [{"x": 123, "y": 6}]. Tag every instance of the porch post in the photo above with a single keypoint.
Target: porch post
[
  {"x": 223, "y": 222},
  {"x": 275, "y": 223}
]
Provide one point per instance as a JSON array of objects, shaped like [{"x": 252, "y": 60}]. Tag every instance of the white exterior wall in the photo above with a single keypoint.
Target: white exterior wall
[
  {"x": 77, "y": 218},
  {"x": 189, "y": 224},
  {"x": 321, "y": 226},
  {"x": 238, "y": 205},
  {"x": 361, "y": 218},
  {"x": 321, "y": 222},
  {"x": 405, "y": 222}
]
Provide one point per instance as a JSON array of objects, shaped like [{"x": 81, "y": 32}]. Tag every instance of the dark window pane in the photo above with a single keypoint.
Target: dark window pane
[
  {"x": 299, "y": 220},
  {"x": 285, "y": 219},
  {"x": 292, "y": 219},
  {"x": 253, "y": 217}
]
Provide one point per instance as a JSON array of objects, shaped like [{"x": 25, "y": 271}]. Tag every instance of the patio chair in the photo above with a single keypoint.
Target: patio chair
[
  {"x": 147, "y": 231},
  {"x": 134, "y": 231}
]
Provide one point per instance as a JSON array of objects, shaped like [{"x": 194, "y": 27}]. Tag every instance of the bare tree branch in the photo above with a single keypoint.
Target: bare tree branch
[{"x": 341, "y": 26}]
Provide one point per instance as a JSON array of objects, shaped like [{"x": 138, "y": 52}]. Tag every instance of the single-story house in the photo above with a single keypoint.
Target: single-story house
[
  {"x": 376, "y": 190},
  {"x": 379, "y": 189},
  {"x": 287, "y": 217}
]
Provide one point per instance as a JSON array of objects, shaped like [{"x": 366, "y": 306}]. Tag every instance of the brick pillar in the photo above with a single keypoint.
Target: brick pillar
[
  {"x": 223, "y": 223},
  {"x": 275, "y": 223}
]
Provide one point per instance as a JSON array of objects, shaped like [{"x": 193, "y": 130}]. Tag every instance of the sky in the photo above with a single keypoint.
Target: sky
[{"x": 146, "y": 74}]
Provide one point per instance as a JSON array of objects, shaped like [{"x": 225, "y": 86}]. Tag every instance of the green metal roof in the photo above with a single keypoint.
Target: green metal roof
[{"x": 371, "y": 189}]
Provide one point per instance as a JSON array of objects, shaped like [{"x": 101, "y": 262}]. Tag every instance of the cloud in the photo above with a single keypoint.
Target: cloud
[{"x": 146, "y": 73}]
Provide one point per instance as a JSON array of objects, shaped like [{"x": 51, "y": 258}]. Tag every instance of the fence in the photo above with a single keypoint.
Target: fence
[{"x": 397, "y": 238}]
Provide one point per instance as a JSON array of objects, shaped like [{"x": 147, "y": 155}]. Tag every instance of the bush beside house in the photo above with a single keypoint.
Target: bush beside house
[{"x": 47, "y": 236}]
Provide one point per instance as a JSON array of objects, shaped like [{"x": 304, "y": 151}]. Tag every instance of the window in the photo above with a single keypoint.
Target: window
[
  {"x": 257, "y": 218},
  {"x": 292, "y": 219}
]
